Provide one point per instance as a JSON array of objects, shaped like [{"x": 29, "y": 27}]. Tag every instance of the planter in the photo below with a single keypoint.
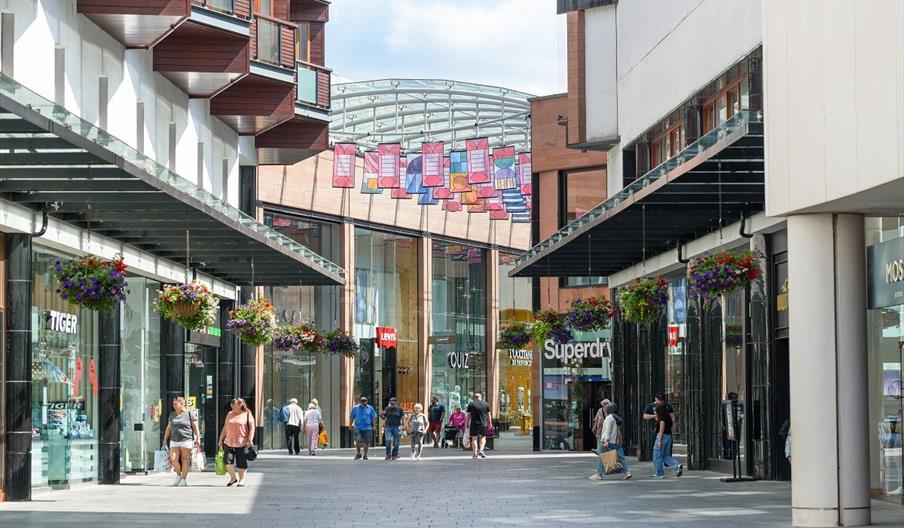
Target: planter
[
  {"x": 254, "y": 322},
  {"x": 187, "y": 309},
  {"x": 550, "y": 324},
  {"x": 338, "y": 342},
  {"x": 643, "y": 300},
  {"x": 92, "y": 282},
  {"x": 514, "y": 336},
  {"x": 722, "y": 273},
  {"x": 295, "y": 337},
  {"x": 191, "y": 306},
  {"x": 588, "y": 315}
]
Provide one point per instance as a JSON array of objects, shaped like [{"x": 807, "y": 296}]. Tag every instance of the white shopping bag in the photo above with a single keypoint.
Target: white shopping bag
[
  {"x": 198, "y": 460},
  {"x": 162, "y": 460}
]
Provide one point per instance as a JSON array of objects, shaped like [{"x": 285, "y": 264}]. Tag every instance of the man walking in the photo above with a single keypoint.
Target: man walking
[
  {"x": 478, "y": 420},
  {"x": 435, "y": 415},
  {"x": 364, "y": 419},
  {"x": 392, "y": 427},
  {"x": 291, "y": 415},
  {"x": 649, "y": 413}
]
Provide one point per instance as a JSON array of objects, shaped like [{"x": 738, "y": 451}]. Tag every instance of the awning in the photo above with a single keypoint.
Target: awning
[
  {"x": 715, "y": 181},
  {"x": 53, "y": 160}
]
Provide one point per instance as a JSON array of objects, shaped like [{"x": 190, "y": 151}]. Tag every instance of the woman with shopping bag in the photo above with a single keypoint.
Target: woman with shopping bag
[
  {"x": 182, "y": 436},
  {"x": 237, "y": 441},
  {"x": 611, "y": 453}
]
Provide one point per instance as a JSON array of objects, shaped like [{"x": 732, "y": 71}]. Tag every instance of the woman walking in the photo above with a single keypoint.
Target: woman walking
[
  {"x": 236, "y": 437},
  {"x": 417, "y": 428},
  {"x": 609, "y": 440},
  {"x": 313, "y": 422},
  {"x": 662, "y": 448},
  {"x": 181, "y": 435}
]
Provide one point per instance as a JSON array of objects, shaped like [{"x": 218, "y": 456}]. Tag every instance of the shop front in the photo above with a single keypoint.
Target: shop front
[
  {"x": 885, "y": 320},
  {"x": 516, "y": 366}
]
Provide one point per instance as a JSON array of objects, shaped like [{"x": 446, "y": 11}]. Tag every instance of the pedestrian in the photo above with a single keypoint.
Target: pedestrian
[
  {"x": 611, "y": 438},
  {"x": 313, "y": 424},
  {"x": 291, "y": 415},
  {"x": 181, "y": 435},
  {"x": 236, "y": 440},
  {"x": 459, "y": 420},
  {"x": 785, "y": 430},
  {"x": 649, "y": 414},
  {"x": 479, "y": 417},
  {"x": 417, "y": 427},
  {"x": 435, "y": 415},
  {"x": 363, "y": 420},
  {"x": 598, "y": 419},
  {"x": 393, "y": 415},
  {"x": 662, "y": 454}
]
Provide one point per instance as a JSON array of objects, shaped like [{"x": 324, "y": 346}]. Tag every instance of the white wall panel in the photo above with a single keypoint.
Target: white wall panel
[{"x": 600, "y": 74}]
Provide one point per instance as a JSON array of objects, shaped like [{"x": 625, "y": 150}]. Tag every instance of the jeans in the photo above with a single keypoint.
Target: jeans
[
  {"x": 393, "y": 436},
  {"x": 663, "y": 455},
  {"x": 292, "y": 439},
  {"x": 621, "y": 458}
]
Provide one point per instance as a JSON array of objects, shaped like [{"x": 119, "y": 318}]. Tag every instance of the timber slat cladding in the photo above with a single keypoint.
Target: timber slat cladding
[
  {"x": 177, "y": 8},
  {"x": 317, "y": 43},
  {"x": 297, "y": 133},
  {"x": 323, "y": 89},
  {"x": 309, "y": 11},
  {"x": 193, "y": 47},
  {"x": 287, "y": 45}
]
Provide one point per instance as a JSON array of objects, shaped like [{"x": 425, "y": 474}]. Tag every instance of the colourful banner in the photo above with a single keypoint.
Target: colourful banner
[
  {"x": 478, "y": 160},
  {"x": 451, "y": 205},
  {"x": 344, "y": 165},
  {"x": 458, "y": 172},
  {"x": 505, "y": 176},
  {"x": 498, "y": 215},
  {"x": 478, "y": 207},
  {"x": 426, "y": 197},
  {"x": 433, "y": 164},
  {"x": 444, "y": 192},
  {"x": 521, "y": 218},
  {"x": 371, "y": 173},
  {"x": 468, "y": 198},
  {"x": 524, "y": 172},
  {"x": 487, "y": 190},
  {"x": 390, "y": 154},
  {"x": 399, "y": 192},
  {"x": 414, "y": 181}
]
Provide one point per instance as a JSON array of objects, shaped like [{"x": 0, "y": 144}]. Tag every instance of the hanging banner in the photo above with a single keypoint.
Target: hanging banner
[
  {"x": 524, "y": 172},
  {"x": 414, "y": 181},
  {"x": 521, "y": 218},
  {"x": 452, "y": 205},
  {"x": 371, "y": 173},
  {"x": 344, "y": 165},
  {"x": 493, "y": 204},
  {"x": 487, "y": 190},
  {"x": 478, "y": 160},
  {"x": 389, "y": 153},
  {"x": 444, "y": 192},
  {"x": 426, "y": 197},
  {"x": 399, "y": 192},
  {"x": 504, "y": 168},
  {"x": 498, "y": 215},
  {"x": 468, "y": 198},
  {"x": 478, "y": 207},
  {"x": 433, "y": 163},
  {"x": 458, "y": 172}
]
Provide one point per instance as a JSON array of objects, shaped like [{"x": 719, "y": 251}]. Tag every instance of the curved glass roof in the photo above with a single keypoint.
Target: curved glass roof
[{"x": 409, "y": 111}]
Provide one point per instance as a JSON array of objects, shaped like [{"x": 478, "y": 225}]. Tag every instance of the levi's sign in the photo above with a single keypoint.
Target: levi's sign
[
  {"x": 386, "y": 337},
  {"x": 576, "y": 351}
]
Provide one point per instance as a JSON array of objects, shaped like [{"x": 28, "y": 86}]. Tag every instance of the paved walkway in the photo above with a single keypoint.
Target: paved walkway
[{"x": 445, "y": 489}]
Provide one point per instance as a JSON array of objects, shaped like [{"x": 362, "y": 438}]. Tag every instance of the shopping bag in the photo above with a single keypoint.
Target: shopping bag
[
  {"x": 162, "y": 460},
  {"x": 220, "y": 462},
  {"x": 198, "y": 460},
  {"x": 323, "y": 439},
  {"x": 610, "y": 461},
  {"x": 491, "y": 431}
]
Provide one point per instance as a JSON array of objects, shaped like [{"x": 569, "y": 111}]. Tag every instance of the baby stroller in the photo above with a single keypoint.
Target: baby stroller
[{"x": 450, "y": 434}]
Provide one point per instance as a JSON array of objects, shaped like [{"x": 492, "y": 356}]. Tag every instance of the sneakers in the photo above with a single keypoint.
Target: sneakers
[
  {"x": 595, "y": 476},
  {"x": 183, "y": 483},
  {"x": 365, "y": 457},
  {"x": 241, "y": 483},
  {"x": 679, "y": 470},
  {"x": 658, "y": 477},
  {"x": 358, "y": 456},
  {"x": 178, "y": 480},
  {"x": 627, "y": 476},
  {"x": 396, "y": 457},
  {"x": 482, "y": 454},
  {"x": 388, "y": 457}
]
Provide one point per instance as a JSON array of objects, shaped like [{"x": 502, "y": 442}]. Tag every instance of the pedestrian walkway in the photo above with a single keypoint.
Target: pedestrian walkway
[{"x": 510, "y": 488}]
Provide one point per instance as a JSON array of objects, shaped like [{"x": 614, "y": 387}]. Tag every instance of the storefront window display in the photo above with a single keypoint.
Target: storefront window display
[
  {"x": 676, "y": 344},
  {"x": 65, "y": 388},
  {"x": 303, "y": 375},
  {"x": 386, "y": 295},
  {"x": 516, "y": 367},
  {"x": 885, "y": 320},
  {"x": 459, "y": 324},
  {"x": 140, "y": 374}
]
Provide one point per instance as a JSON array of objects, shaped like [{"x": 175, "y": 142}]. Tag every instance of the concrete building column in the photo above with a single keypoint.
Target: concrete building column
[
  {"x": 828, "y": 363},
  {"x": 424, "y": 328},
  {"x": 492, "y": 296}
]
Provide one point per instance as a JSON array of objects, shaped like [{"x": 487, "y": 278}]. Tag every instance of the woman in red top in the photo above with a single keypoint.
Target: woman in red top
[{"x": 236, "y": 437}]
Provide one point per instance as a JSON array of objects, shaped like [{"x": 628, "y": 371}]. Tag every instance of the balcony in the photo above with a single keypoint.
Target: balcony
[
  {"x": 239, "y": 8},
  {"x": 313, "y": 90},
  {"x": 136, "y": 23},
  {"x": 273, "y": 42}
]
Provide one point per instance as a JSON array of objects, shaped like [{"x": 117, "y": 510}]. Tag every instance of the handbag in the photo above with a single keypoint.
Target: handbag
[
  {"x": 220, "y": 462},
  {"x": 323, "y": 439},
  {"x": 198, "y": 460},
  {"x": 250, "y": 454},
  {"x": 162, "y": 460},
  {"x": 609, "y": 459},
  {"x": 491, "y": 431}
]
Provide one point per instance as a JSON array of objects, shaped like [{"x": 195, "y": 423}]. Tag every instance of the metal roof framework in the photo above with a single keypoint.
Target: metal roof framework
[
  {"x": 411, "y": 111},
  {"x": 53, "y": 161}
]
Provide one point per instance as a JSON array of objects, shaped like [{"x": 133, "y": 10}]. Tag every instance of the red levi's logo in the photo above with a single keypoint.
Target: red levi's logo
[{"x": 386, "y": 337}]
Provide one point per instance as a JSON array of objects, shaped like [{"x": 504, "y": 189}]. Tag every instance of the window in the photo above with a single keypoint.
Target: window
[
  {"x": 579, "y": 192},
  {"x": 303, "y": 42},
  {"x": 728, "y": 102},
  {"x": 264, "y": 7},
  {"x": 667, "y": 144}
]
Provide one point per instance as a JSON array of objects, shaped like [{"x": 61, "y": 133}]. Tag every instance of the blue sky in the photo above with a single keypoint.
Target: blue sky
[{"x": 519, "y": 44}]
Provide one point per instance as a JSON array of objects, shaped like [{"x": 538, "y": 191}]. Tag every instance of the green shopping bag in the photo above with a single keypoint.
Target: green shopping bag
[{"x": 221, "y": 462}]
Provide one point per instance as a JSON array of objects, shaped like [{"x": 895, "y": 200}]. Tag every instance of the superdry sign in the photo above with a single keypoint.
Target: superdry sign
[{"x": 386, "y": 337}]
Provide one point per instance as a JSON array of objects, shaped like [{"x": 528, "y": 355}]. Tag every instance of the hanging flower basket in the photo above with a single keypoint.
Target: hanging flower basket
[
  {"x": 722, "y": 274},
  {"x": 253, "y": 322},
  {"x": 339, "y": 342},
  {"x": 514, "y": 336},
  {"x": 549, "y": 324},
  {"x": 191, "y": 306},
  {"x": 295, "y": 337},
  {"x": 92, "y": 282},
  {"x": 588, "y": 315},
  {"x": 643, "y": 300}
]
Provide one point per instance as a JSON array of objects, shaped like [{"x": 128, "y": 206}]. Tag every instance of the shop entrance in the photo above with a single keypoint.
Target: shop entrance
[
  {"x": 586, "y": 397},
  {"x": 200, "y": 396}
]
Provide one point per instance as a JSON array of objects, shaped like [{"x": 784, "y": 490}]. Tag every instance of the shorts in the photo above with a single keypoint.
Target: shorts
[
  {"x": 235, "y": 456},
  {"x": 184, "y": 444},
  {"x": 478, "y": 430},
  {"x": 435, "y": 427},
  {"x": 365, "y": 437}
]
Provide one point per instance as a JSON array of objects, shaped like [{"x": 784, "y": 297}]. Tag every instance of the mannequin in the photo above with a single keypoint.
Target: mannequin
[
  {"x": 503, "y": 401},
  {"x": 455, "y": 397}
]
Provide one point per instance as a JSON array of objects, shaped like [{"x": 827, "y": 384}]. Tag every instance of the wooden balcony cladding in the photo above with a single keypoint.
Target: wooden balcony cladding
[
  {"x": 317, "y": 44},
  {"x": 201, "y": 60},
  {"x": 273, "y": 41},
  {"x": 238, "y": 8},
  {"x": 136, "y": 23},
  {"x": 292, "y": 141},
  {"x": 254, "y": 104},
  {"x": 309, "y": 11},
  {"x": 313, "y": 85}
]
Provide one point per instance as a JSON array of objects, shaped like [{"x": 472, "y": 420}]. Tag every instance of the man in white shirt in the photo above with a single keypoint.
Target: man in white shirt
[{"x": 292, "y": 416}]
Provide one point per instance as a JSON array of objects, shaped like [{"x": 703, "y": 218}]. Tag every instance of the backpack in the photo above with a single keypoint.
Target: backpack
[{"x": 284, "y": 415}]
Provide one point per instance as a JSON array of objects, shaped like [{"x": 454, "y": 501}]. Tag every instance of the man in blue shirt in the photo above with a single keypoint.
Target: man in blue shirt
[
  {"x": 393, "y": 416},
  {"x": 364, "y": 419}
]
